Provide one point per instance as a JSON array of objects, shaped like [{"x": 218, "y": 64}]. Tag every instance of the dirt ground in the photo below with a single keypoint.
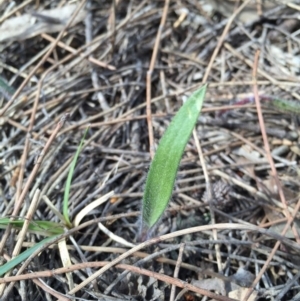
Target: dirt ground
[{"x": 121, "y": 70}]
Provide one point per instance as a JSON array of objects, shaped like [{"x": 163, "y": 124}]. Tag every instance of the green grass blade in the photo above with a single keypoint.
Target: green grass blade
[
  {"x": 40, "y": 227},
  {"x": 69, "y": 180},
  {"x": 23, "y": 256},
  {"x": 163, "y": 169}
]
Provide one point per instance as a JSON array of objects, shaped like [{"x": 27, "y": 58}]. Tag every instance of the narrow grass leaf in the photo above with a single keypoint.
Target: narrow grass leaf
[
  {"x": 69, "y": 181},
  {"x": 40, "y": 227},
  {"x": 163, "y": 169},
  {"x": 23, "y": 256}
]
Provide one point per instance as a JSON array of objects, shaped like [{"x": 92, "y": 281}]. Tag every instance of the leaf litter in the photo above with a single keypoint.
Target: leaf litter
[{"x": 103, "y": 85}]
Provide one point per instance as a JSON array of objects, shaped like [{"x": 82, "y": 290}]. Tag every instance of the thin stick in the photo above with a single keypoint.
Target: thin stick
[
  {"x": 282, "y": 197},
  {"x": 176, "y": 271},
  {"x": 31, "y": 178},
  {"x": 156, "y": 240},
  {"x": 28, "y": 218},
  {"x": 74, "y": 51},
  {"x": 149, "y": 77},
  {"x": 210, "y": 194},
  {"x": 281, "y": 85},
  {"x": 200, "y": 152},
  {"x": 50, "y": 290},
  {"x": 222, "y": 38},
  {"x": 111, "y": 26},
  {"x": 23, "y": 232},
  {"x": 263, "y": 269},
  {"x": 13, "y": 11},
  {"x": 267, "y": 146},
  {"x": 56, "y": 239},
  {"x": 138, "y": 270}
]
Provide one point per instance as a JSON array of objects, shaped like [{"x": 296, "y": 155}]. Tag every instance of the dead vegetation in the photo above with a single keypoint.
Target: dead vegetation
[{"x": 123, "y": 68}]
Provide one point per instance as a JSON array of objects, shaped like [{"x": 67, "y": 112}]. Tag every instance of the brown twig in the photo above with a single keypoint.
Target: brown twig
[
  {"x": 274, "y": 172},
  {"x": 271, "y": 255},
  {"x": 74, "y": 51},
  {"x": 15, "y": 10},
  {"x": 50, "y": 290},
  {"x": 204, "y": 80},
  {"x": 20, "y": 200},
  {"x": 171, "y": 280},
  {"x": 176, "y": 271},
  {"x": 168, "y": 236},
  {"x": 210, "y": 195},
  {"x": 222, "y": 38},
  {"x": 267, "y": 146},
  {"x": 261, "y": 72},
  {"x": 23, "y": 232},
  {"x": 149, "y": 77},
  {"x": 138, "y": 270}
]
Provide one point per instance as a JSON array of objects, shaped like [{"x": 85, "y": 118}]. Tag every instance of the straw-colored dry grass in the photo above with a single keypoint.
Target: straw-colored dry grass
[{"x": 123, "y": 70}]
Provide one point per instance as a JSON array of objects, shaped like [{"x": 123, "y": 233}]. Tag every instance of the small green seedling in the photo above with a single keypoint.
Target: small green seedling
[
  {"x": 163, "y": 169},
  {"x": 42, "y": 227},
  {"x": 69, "y": 181}
]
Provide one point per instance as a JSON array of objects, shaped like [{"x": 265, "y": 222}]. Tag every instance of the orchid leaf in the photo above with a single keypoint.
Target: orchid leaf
[{"x": 163, "y": 169}]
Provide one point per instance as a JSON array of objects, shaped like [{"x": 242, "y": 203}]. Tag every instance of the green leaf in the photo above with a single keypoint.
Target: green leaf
[
  {"x": 289, "y": 106},
  {"x": 163, "y": 169},
  {"x": 69, "y": 180},
  {"x": 39, "y": 227},
  {"x": 23, "y": 256},
  {"x": 6, "y": 89}
]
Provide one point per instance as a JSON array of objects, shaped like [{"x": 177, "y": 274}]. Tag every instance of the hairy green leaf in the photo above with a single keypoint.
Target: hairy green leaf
[{"x": 163, "y": 169}]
